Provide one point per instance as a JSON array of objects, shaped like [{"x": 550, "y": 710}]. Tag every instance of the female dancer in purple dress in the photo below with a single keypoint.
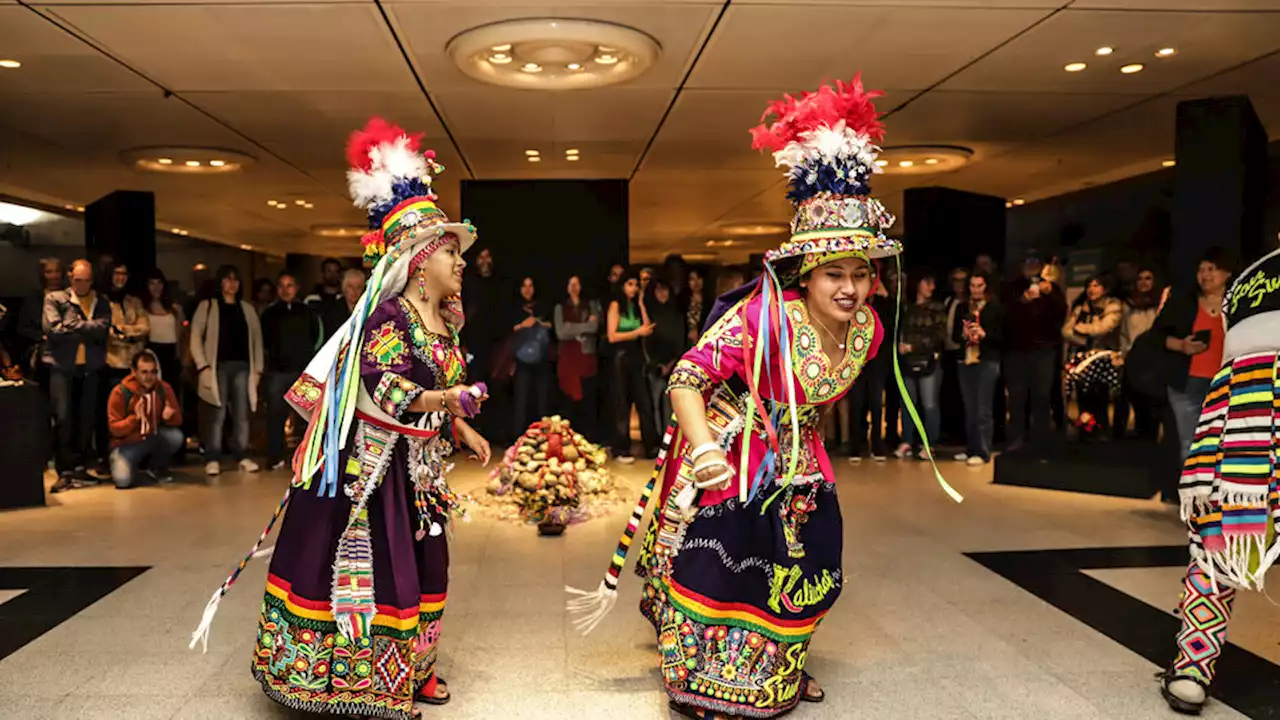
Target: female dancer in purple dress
[{"x": 351, "y": 617}]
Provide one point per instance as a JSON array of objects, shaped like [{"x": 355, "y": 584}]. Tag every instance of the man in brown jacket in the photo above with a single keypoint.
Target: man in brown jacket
[{"x": 145, "y": 421}]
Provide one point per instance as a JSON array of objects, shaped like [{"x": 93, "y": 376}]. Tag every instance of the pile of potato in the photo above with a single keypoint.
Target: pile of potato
[{"x": 539, "y": 485}]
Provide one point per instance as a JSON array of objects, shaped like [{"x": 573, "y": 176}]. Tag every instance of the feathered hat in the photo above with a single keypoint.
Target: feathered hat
[
  {"x": 828, "y": 141},
  {"x": 391, "y": 179}
]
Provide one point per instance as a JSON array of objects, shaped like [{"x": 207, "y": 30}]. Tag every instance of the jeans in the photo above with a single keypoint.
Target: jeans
[
  {"x": 532, "y": 393},
  {"x": 1029, "y": 374},
  {"x": 629, "y": 387},
  {"x": 1186, "y": 406},
  {"x": 661, "y": 402},
  {"x": 274, "y": 386},
  {"x": 74, "y": 395},
  {"x": 868, "y": 395},
  {"x": 233, "y": 387},
  {"x": 925, "y": 392},
  {"x": 158, "y": 448},
  {"x": 978, "y": 387}
]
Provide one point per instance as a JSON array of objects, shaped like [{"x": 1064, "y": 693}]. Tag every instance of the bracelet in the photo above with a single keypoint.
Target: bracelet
[
  {"x": 703, "y": 484},
  {"x": 702, "y": 449}
]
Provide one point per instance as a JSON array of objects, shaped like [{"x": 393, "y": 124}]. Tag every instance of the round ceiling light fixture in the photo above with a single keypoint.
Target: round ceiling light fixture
[
  {"x": 339, "y": 231},
  {"x": 554, "y": 53},
  {"x": 922, "y": 159},
  {"x": 754, "y": 229},
  {"x": 187, "y": 160}
]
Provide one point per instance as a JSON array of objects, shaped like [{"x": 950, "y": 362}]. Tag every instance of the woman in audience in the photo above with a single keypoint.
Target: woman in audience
[
  {"x": 226, "y": 347},
  {"x": 1140, "y": 310},
  {"x": 920, "y": 344},
  {"x": 1192, "y": 328},
  {"x": 979, "y": 327},
  {"x": 695, "y": 304},
  {"x": 1093, "y": 328},
  {"x": 577, "y": 323},
  {"x": 627, "y": 322},
  {"x": 167, "y": 335},
  {"x": 663, "y": 348},
  {"x": 531, "y": 345}
]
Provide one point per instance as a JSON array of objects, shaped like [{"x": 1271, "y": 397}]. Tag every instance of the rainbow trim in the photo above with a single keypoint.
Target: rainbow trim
[
  {"x": 393, "y": 618},
  {"x": 713, "y": 612}
]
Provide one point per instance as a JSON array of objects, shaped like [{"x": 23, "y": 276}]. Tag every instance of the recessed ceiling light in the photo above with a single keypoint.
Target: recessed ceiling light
[
  {"x": 69, "y": 207},
  {"x": 246, "y": 247},
  {"x": 532, "y": 153},
  {"x": 500, "y": 59},
  {"x": 190, "y": 160},
  {"x": 607, "y": 59},
  {"x": 1019, "y": 201},
  {"x": 573, "y": 67},
  {"x": 931, "y": 161},
  {"x": 1132, "y": 68},
  {"x": 217, "y": 163},
  {"x": 10, "y": 64},
  {"x": 1104, "y": 51},
  {"x": 299, "y": 203},
  {"x": 534, "y": 158},
  {"x": 553, "y": 53},
  {"x": 1169, "y": 163},
  {"x": 309, "y": 206},
  {"x": 1166, "y": 52},
  {"x": 1008, "y": 204},
  {"x": 571, "y": 151},
  {"x": 572, "y": 158},
  {"x": 165, "y": 161},
  {"x": 1074, "y": 67},
  {"x": 502, "y": 48},
  {"x": 344, "y": 231},
  {"x": 193, "y": 163},
  {"x": 882, "y": 163},
  {"x": 906, "y": 163},
  {"x": 281, "y": 206},
  {"x": 177, "y": 231},
  {"x": 531, "y": 68}
]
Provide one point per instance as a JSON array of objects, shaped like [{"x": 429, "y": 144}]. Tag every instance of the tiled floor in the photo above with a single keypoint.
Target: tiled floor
[{"x": 921, "y": 631}]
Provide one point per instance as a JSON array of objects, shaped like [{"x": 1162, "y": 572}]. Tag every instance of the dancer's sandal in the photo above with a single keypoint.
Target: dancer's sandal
[
  {"x": 429, "y": 693},
  {"x": 692, "y": 712},
  {"x": 806, "y": 696},
  {"x": 1178, "y": 704}
]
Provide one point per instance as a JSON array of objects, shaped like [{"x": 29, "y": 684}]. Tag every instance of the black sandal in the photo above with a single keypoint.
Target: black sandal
[
  {"x": 1176, "y": 703},
  {"x": 804, "y": 691}
]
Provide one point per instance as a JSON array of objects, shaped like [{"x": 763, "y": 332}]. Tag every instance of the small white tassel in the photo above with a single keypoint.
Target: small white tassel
[
  {"x": 201, "y": 635},
  {"x": 265, "y": 552},
  {"x": 592, "y": 607},
  {"x": 436, "y": 529},
  {"x": 686, "y": 496}
]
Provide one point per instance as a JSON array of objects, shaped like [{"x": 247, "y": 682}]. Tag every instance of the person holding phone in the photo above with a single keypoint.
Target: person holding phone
[{"x": 1192, "y": 328}]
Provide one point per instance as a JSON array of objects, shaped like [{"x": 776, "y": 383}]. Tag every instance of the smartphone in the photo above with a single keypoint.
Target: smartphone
[{"x": 1203, "y": 337}]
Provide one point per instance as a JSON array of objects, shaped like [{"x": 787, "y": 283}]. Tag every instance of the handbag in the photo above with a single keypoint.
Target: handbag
[
  {"x": 1088, "y": 370},
  {"x": 532, "y": 345}
]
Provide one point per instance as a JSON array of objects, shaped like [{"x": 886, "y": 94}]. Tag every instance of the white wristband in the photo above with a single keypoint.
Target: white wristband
[
  {"x": 702, "y": 449},
  {"x": 700, "y": 484}
]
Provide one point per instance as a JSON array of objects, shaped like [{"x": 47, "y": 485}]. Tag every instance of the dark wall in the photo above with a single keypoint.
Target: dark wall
[
  {"x": 122, "y": 226},
  {"x": 945, "y": 228},
  {"x": 550, "y": 230}
]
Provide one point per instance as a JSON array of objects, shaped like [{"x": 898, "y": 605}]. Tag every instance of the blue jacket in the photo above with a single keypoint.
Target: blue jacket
[{"x": 66, "y": 327}]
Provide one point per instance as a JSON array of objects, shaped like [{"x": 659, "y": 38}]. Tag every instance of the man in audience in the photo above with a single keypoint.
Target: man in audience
[
  {"x": 1036, "y": 309},
  {"x": 326, "y": 298},
  {"x": 146, "y": 423},
  {"x": 75, "y": 324},
  {"x": 291, "y": 335}
]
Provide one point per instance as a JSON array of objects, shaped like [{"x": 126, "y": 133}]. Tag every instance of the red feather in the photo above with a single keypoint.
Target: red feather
[
  {"x": 826, "y": 106},
  {"x": 375, "y": 132}
]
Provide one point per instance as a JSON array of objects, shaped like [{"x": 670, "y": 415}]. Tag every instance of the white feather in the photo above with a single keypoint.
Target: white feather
[
  {"x": 828, "y": 145},
  {"x": 368, "y": 189},
  {"x": 389, "y": 162}
]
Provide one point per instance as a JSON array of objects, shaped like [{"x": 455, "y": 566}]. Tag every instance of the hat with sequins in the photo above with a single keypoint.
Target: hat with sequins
[
  {"x": 391, "y": 179},
  {"x": 828, "y": 139}
]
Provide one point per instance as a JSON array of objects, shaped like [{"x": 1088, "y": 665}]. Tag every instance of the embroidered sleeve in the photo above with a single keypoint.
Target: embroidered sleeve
[
  {"x": 716, "y": 357},
  {"x": 394, "y": 394}
]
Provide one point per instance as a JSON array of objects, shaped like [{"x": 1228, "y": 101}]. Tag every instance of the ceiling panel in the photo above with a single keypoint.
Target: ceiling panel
[
  {"x": 1207, "y": 43},
  {"x": 250, "y": 47},
  {"x": 53, "y": 61},
  {"x": 893, "y": 46},
  {"x": 603, "y": 115},
  {"x": 427, "y": 28}
]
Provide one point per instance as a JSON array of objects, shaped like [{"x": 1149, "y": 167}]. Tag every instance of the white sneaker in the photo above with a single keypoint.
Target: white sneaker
[
  {"x": 878, "y": 458},
  {"x": 855, "y": 459},
  {"x": 975, "y": 461},
  {"x": 278, "y": 465},
  {"x": 960, "y": 457},
  {"x": 249, "y": 466},
  {"x": 626, "y": 459},
  {"x": 904, "y": 450},
  {"x": 212, "y": 468}
]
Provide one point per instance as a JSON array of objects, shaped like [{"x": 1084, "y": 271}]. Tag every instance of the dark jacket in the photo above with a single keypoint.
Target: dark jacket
[
  {"x": 992, "y": 320},
  {"x": 291, "y": 335},
  {"x": 1036, "y": 324},
  {"x": 667, "y": 343},
  {"x": 1177, "y": 320},
  {"x": 924, "y": 327},
  {"x": 66, "y": 327}
]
